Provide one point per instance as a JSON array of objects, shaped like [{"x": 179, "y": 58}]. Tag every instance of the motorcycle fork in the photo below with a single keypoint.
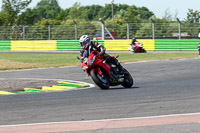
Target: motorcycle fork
[{"x": 99, "y": 71}]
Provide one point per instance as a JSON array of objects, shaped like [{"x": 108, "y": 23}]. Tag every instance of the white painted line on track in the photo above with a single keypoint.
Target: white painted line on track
[
  {"x": 22, "y": 70},
  {"x": 103, "y": 120},
  {"x": 160, "y": 61}
]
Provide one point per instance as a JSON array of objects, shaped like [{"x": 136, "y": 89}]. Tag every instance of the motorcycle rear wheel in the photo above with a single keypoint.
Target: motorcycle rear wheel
[{"x": 100, "y": 80}]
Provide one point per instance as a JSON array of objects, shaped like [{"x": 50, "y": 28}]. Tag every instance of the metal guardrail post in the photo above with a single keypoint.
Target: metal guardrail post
[
  {"x": 102, "y": 28},
  {"x": 128, "y": 29},
  {"x": 179, "y": 28},
  {"x": 153, "y": 28},
  {"x": 112, "y": 3},
  {"x": 76, "y": 30},
  {"x": 49, "y": 31},
  {"x": 24, "y": 33}
]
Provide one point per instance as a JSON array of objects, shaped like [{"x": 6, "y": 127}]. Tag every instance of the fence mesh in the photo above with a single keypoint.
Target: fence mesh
[{"x": 119, "y": 31}]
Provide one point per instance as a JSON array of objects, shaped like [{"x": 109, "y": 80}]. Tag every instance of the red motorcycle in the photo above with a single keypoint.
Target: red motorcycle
[
  {"x": 137, "y": 48},
  {"x": 105, "y": 74}
]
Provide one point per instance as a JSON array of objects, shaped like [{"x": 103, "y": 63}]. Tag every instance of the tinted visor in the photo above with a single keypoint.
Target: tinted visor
[{"x": 83, "y": 43}]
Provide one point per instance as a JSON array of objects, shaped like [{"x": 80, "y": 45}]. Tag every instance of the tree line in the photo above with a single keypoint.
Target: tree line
[{"x": 16, "y": 12}]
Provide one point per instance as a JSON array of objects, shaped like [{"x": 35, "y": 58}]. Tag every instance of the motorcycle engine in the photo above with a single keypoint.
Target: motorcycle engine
[{"x": 114, "y": 76}]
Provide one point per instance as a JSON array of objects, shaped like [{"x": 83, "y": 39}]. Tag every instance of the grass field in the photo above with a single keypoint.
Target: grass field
[{"x": 16, "y": 61}]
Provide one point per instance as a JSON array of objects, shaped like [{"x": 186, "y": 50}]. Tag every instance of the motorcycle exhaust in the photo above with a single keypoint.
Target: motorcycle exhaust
[{"x": 121, "y": 80}]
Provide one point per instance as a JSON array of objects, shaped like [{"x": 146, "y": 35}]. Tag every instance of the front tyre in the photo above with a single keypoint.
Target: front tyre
[
  {"x": 100, "y": 79},
  {"x": 143, "y": 50},
  {"x": 128, "y": 80}
]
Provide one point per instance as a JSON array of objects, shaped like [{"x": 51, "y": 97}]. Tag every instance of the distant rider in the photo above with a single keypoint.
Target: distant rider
[
  {"x": 133, "y": 44},
  {"x": 87, "y": 46}
]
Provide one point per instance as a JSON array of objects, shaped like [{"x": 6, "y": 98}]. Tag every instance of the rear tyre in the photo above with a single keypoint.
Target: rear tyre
[
  {"x": 100, "y": 80},
  {"x": 128, "y": 80}
]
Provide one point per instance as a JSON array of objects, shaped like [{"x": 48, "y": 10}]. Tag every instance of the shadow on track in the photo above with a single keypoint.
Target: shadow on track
[{"x": 122, "y": 88}]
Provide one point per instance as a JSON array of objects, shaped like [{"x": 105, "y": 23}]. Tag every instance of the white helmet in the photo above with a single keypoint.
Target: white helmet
[{"x": 85, "y": 39}]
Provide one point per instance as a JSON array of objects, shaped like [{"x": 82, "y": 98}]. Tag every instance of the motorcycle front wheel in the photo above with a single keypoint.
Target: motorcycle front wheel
[
  {"x": 143, "y": 50},
  {"x": 100, "y": 79}
]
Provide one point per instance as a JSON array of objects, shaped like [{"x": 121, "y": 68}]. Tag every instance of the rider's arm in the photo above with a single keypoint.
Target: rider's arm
[
  {"x": 101, "y": 49},
  {"x": 81, "y": 52}
]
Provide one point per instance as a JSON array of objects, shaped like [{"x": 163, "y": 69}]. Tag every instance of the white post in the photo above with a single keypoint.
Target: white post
[
  {"x": 128, "y": 29},
  {"x": 102, "y": 28},
  {"x": 179, "y": 28},
  {"x": 76, "y": 31},
  {"x": 153, "y": 28},
  {"x": 112, "y": 2}
]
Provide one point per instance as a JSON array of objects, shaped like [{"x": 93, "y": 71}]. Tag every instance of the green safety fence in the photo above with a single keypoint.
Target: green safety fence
[
  {"x": 4, "y": 45},
  {"x": 176, "y": 45}
]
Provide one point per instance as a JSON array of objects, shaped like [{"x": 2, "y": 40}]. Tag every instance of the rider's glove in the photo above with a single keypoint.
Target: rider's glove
[
  {"x": 101, "y": 53},
  {"x": 82, "y": 59},
  {"x": 85, "y": 61}
]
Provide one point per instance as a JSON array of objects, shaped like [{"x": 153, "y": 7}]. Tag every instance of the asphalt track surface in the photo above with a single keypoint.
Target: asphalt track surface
[{"x": 161, "y": 88}]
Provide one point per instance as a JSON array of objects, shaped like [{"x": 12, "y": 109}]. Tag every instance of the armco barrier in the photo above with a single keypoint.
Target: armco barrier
[
  {"x": 117, "y": 44},
  {"x": 33, "y": 45},
  {"x": 70, "y": 45},
  {"x": 73, "y": 45},
  {"x": 124, "y": 44},
  {"x": 148, "y": 44},
  {"x": 64, "y": 45},
  {"x": 4, "y": 45},
  {"x": 176, "y": 45}
]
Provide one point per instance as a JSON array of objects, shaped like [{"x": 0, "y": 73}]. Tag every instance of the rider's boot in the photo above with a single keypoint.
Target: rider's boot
[
  {"x": 119, "y": 66},
  {"x": 116, "y": 62},
  {"x": 121, "y": 69},
  {"x": 121, "y": 73}
]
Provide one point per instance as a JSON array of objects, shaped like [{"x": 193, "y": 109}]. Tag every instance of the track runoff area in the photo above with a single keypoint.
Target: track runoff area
[
  {"x": 94, "y": 125},
  {"x": 104, "y": 124}
]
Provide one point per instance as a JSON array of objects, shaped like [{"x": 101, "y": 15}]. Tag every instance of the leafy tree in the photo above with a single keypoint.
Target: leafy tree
[
  {"x": 29, "y": 17},
  {"x": 13, "y": 8},
  {"x": 106, "y": 12},
  {"x": 144, "y": 13},
  {"x": 93, "y": 12},
  {"x": 62, "y": 15},
  {"x": 75, "y": 12},
  {"x": 3, "y": 19},
  {"x": 133, "y": 14},
  {"x": 193, "y": 16},
  {"x": 43, "y": 3},
  {"x": 45, "y": 9},
  {"x": 48, "y": 9},
  {"x": 48, "y": 22}
]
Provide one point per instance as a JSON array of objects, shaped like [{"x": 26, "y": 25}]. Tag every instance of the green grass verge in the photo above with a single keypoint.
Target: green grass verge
[{"x": 26, "y": 61}]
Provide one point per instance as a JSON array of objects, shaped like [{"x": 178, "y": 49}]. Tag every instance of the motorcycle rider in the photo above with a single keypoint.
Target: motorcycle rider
[
  {"x": 87, "y": 46},
  {"x": 137, "y": 46},
  {"x": 133, "y": 43}
]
